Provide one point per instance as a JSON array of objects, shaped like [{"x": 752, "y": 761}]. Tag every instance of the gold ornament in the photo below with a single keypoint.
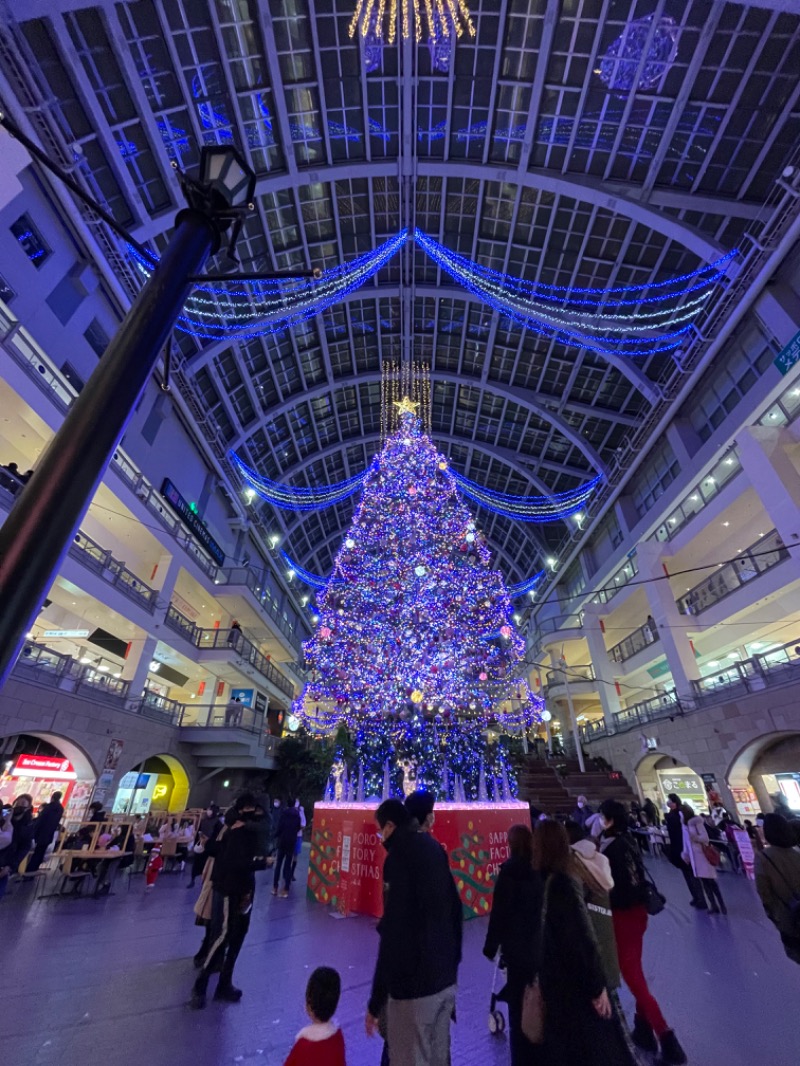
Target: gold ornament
[
  {"x": 417, "y": 696},
  {"x": 406, "y": 407}
]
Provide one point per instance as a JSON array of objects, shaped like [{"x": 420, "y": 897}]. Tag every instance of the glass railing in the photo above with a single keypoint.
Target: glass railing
[
  {"x": 559, "y": 622},
  {"x": 635, "y": 642},
  {"x": 112, "y": 570},
  {"x": 767, "y": 552},
  {"x": 233, "y": 640},
  {"x": 733, "y": 678},
  {"x": 696, "y": 499},
  {"x": 575, "y": 675},
  {"x": 254, "y": 581},
  {"x": 626, "y": 573}
]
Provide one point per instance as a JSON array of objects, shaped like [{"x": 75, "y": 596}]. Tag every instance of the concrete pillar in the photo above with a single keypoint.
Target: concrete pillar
[
  {"x": 603, "y": 670},
  {"x": 672, "y": 625},
  {"x": 165, "y": 575},
  {"x": 137, "y": 665},
  {"x": 627, "y": 515},
  {"x": 762, "y": 451}
]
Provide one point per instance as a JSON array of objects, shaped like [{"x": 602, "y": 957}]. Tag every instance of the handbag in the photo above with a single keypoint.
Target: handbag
[
  {"x": 711, "y": 855},
  {"x": 199, "y": 849},
  {"x": 653, "y": 900},
  {"x": 533, "y": 1006}
]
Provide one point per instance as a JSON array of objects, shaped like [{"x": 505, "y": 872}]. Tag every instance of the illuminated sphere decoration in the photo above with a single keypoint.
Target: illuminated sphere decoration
[{"x": 621, "y": 67}]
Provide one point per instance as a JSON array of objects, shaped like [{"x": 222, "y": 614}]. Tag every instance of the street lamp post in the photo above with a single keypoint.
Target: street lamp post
[{"x": 45, "y": 518}]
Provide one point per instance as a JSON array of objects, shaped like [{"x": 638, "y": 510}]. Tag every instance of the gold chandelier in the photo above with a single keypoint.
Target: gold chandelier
[{"x": 443, "y": 19}]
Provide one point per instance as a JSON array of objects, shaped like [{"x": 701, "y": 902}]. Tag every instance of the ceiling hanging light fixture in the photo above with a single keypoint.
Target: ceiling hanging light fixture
[{"x": 440, "y": 20}]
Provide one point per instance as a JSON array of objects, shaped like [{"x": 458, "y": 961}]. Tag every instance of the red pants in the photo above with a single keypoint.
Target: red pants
[{"x": 629, "y": 928}]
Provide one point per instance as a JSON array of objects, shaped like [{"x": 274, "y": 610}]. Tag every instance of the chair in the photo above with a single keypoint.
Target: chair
[{"x": 169, "y": 853}]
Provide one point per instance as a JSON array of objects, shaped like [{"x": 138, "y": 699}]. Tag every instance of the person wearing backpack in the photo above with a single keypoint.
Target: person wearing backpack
[
  {"x": 778, "y": 882},
  {"x": 629, "y": 913}
]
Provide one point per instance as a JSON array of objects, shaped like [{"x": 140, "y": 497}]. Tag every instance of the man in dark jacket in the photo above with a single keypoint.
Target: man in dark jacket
[
  {"x": 420, "y": 944},
  {"x": 19, "y": 826},
  {"x": 673, "y": 820},
  {"x": 286, "y": 831},
  {"x": 233, "y": 880},
  {"x": 44, "y": 829}
]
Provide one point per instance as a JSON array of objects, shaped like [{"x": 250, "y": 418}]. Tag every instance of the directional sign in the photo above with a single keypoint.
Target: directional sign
[{"x": 790, "y": 355}]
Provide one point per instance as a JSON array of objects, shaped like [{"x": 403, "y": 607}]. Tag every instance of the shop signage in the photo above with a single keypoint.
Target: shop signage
[
  {"x": 105, "y": 779},
  {"x": 687, "y": 786},
  {"x": 790, "y": 355},
  {"x": 243, "y": 695},
  {"x": 66, "y": 633},
  {"x": 192, "y": 520},
  {"x": 745, "y": 846},
  {"x": 261, "y": 702},
  {"x": 52, "y": 768}
]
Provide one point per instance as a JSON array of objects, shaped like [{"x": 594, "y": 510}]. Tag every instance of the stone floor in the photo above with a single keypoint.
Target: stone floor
[{"x": 107, "y": 982}]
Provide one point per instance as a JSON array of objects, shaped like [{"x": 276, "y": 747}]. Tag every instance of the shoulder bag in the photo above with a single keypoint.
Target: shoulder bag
[
  {"x": 711, "y": 855},
  {"x": 533, "y": 1008},
  {"x": 653, "y": 900}
]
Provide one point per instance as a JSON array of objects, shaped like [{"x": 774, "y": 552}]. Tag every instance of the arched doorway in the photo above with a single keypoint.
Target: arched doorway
[
  {"x": 659, "y": 774},
  {"x": 39, "y": 764},
  {"x": 158, "y": 783},
  {"x": 766, "y": 767}
]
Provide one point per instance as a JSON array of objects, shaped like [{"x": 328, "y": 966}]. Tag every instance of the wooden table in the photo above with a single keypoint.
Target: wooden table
[{"x": 70, "y": 855}]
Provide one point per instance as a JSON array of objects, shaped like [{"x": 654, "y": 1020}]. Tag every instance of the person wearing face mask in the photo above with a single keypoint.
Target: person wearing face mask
[
  {"x": 209, "y": 827},
  {"x": 582, "y": 812},
  {"x": 420, "y": 944},
  {"x": 17, "y": 829},
  {"x": 286, "y": 838},
  {"x": 233, "y": 880}
]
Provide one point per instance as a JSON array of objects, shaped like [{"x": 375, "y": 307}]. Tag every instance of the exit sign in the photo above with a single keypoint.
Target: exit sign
[{"x": 790, "y": 355}]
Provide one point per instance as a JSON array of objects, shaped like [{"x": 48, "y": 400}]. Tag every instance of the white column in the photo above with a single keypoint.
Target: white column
[
  {"x": 672, "y": 625},
  {"x": 764, "y": 454},
  {"x": 137, "y": 665},
  {"x": 603, "y": 670}
]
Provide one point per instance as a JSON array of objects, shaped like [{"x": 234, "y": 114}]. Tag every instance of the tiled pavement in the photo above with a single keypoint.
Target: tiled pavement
[{"x": 106, "y": 983}]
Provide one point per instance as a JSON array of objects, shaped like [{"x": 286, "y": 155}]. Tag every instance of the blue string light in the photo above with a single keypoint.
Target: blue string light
[
  {"x": 298, "y": 497},
  {"x": 313, "y": 581},
  {"x": 528, "y": 585},
  {"x": 537, "y": 509}
]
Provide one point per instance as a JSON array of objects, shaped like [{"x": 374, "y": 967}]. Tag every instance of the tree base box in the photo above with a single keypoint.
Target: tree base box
[{"x": 346, "y": 866}]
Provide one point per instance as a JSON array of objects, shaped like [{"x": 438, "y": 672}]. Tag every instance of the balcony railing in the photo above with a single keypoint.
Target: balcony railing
[
  {"x": 779, "y": 666},
  {"x": 232, "y": 640},
  {"x": 767, "y": 552},
  {"x": 112, "y": 570},
  {"x": 255, "y": 582},
  {"x": 635, "y": 642},
  {"x": 575, "y": 675},
  {"x": 54, "y": 668},
  {"x": 553, "y": 625}
]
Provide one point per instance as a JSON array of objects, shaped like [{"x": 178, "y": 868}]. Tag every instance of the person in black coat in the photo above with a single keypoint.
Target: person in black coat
[
  {"x": 420, "y": 943},
  {"x": 580, "y": 1026},
  {"x": 512, "y": 930},
  {"x": 19, "y": 825},
  {"x": 286, "y": 831},
  {"x": 673, "y": 820},
  {"x": 233, "y": 880},
  {"x": 44, "y": 829}
]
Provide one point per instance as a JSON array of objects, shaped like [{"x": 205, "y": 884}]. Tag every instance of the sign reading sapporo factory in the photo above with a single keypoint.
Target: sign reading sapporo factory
[{"x": 790, "y": 355}]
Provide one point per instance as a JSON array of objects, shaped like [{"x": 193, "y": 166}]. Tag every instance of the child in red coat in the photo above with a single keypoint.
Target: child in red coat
[
  {"x": 321, "y": 1043},
  {"x": 154, "y": 867}
]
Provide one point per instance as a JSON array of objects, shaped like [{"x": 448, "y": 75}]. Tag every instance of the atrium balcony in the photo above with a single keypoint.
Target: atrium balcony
[
  {"x": 765, "y": 554},
  {"x": 233, "y": 581},
  {"x": 226, "y": 645}
]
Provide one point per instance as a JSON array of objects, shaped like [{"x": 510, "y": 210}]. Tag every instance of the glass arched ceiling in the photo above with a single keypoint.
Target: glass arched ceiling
[{"x": 547, "y": 150}]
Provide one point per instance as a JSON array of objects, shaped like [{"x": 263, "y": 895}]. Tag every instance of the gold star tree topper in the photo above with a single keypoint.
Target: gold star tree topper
[{"x": 406, "y": 407}]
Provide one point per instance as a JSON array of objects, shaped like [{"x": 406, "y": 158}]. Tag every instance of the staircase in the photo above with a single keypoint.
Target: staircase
[{"x": 554, "y": 788}]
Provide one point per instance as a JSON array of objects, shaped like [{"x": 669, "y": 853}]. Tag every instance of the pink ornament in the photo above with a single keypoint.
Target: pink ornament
[
  {"x": 483, "y": 675},
  {"x": 325, "y": 632},
  {"x": 505, "y": 631}
]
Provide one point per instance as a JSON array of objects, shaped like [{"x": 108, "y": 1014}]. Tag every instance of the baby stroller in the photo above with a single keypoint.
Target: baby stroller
[{"x": 496, "y": 1020}]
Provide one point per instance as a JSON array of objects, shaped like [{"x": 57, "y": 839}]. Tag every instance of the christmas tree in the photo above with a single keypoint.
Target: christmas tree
[{"x": 415, "y": 649}]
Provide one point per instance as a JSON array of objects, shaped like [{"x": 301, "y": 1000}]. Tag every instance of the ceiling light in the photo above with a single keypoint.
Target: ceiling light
[
  {"x": 756, "y": 645},
  {"x": 726, "y": 524},
  {"x": 729, "y": 462},
  {"x": 733, "y": 655},
  {"x": 713, "y": 663},
  {"x": 695, "y": 497}
]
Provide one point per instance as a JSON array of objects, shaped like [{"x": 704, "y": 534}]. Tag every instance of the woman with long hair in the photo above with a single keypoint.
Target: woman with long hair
[
  {"x": 580, "y": 1028},
  {"x": 512, "y": 930},
  {"x": 695, "y": 841},
  {"x": 629, "y": 915}
]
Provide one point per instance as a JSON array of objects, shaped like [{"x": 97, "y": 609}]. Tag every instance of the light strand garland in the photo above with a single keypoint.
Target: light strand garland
[
  {"x": 528, "y": 508},
  {"x": 377, "y": 20},
  {"x": 314, "y": 581},
  {"x": 592, "y": 318},
  {"x": 520, "y": 588},
  {"x": 298, "y": 497}
]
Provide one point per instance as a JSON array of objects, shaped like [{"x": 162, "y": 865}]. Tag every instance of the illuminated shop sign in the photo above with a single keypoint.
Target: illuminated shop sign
[
  {"x": 192, "y": 520},
  {"x": 50, "y": 767}
]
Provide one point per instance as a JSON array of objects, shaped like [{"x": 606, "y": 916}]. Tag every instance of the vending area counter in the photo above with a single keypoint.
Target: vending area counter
[{"x": 346, "y": 866}]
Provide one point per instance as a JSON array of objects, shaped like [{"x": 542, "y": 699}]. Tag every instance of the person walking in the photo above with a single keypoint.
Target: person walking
[
  {"x": 777, "y": 871},
  {"x": 580, "y": 1028},
  {"x": 420, "y": 944},
  {"x": 512, "y": 931},
  {"x": 286, "y": 840},
  {"x": 16, "y": 831},
  {"x": 234, "y": 888},
  {"x": 629, "y": 914},
  {"x": 673, "y": 820},
  {"x": 44, "y": 829},
  {"x": 582, "y": 812},
  {"x": 298, "y": 844},
  {"x": 695, "y": 843}
]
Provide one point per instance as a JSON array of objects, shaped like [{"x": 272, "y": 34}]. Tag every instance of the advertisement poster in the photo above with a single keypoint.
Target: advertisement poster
[
  {"x": 113, "y": 754},
  {"x": 745, "y": 846},
  {"x": 686, "y": 784},
  {"x": 243, "y": 695},
  {"x": 346, "y": 865},
  {"x": 746, "y": 802}
]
